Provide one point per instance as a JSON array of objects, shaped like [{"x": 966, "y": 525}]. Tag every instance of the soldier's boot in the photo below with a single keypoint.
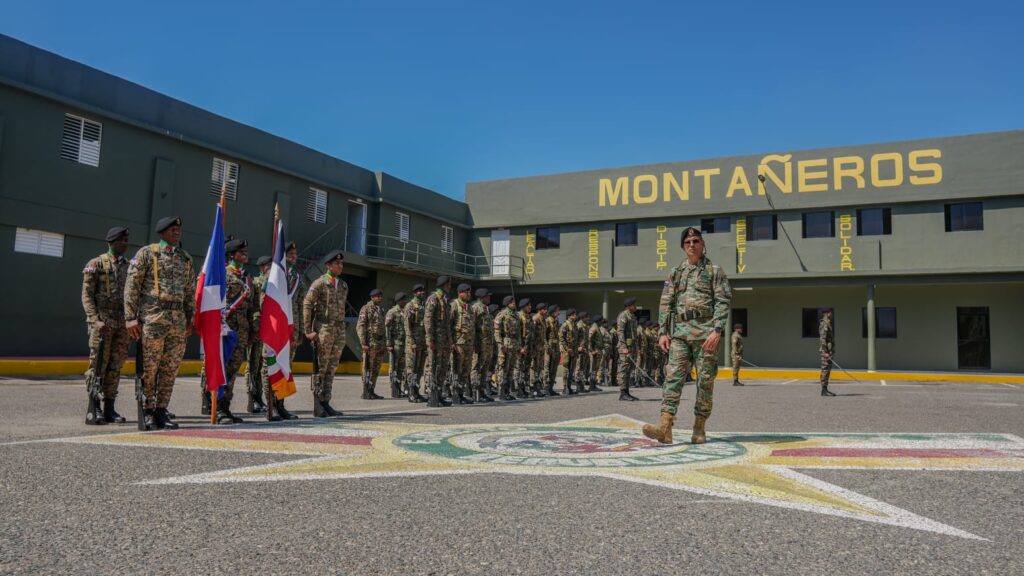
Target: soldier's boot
[
  {"x": 481, "y": 395},
  {"x": 250, "y": 406},
  {"x": 698, "y": 430},
  {"x": 149, "y": 420},
  {"x": 539, "y": 390},
  {"x": 224, "y": 415},
  {"x": 593, "y": 386},
  {"x": 94, "y": 416},
  {"x": 551, "y": 390},
  {"x": 371, "y": 386},
  {"x": 625, "y": 396},
  {"x": 206, "y": 403},
  {"x": 329, "y": 410},
  {"x": 662, "y": 431},
  {"x": 162, "y": 421},
  {"x": 737, "y": 383},
  {"x": 283, "y": 412},
  {"x": 414, "y": 392},
  {"x": 825, "y": 391},
  {"x": 366, "y": 389},
  {"x": 318, "y": 409},
  {"x": 503, "y": 392},
  {"x": 396, "y": 390},
  {"x": 521, "y": 391},
  {"x": 109, "y": 414}
]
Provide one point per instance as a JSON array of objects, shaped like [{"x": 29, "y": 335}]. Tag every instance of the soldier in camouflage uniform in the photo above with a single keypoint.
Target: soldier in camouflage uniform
[
  {"x": 736, "y": 351},
  {"x": 508, "y": 338},
  {"x": 568, "y": 348},
  {"x": 826, "y": 347},
  {"x": 323, "y": 315},
  {"x": 483, "y": 349},
  {"x": 103, "y": 281},
  {"x": 463, "y": 342},
  {"x": 584, "y": 376},
  {"x": 693, "y": 311},
  {"x": 239, "y": 305},
  {"x": 595, "y": 344},
  {"x": 159, "y": 305},
  {"x": 551, "y": 350},
  {"x": 607, "y": 352},
  {"x": 296, "y": 292},
  {"x": 394, "y": 330},
  {"x": 492, "y": 390},
  {"x": 372, "y": 336},
  {"x": 628, "y": 344},
  {"x": 525, "y": 358},
  {"x": 538, "y": 368},
  {"x": 415, "y": 343},
  {"x": 437, "y": 325},
  {"x": 257, "y": 369}
]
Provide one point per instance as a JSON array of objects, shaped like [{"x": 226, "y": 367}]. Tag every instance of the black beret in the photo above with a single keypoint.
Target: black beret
[
  {"x": 584, "y": 314},
  {"x": 419, "y": 288},
  {"x": 235, "y": 245},
  {"x": 524, "y": 302},
  {"x": 290, "y": 246},
  {"x": 491, "y": 308},
  {"x": 553, "y": 307},
  {"x": 629, "y": 301},
  {"x": 508, "y": 300},
  {"x": 541, "y": 306},
  {"x": 376, "y": 292},
  {"x": 334, "y": 255},
  {"x": 597, "y": 318},
  {"x": 166, "y": 222},
  {"x": 264, "y": 260},
  {"x": 464, "y": 288},
  {"x": 482, "y": 292},
  {"x": 442, "y": 280},
  {"x": 399, "y": 296},
  {"x": 570, "y": 312},
  {"x": 116, "y": 232},
  {"x": 738, "y": 326},
  {"x": 690, "y": 231}
]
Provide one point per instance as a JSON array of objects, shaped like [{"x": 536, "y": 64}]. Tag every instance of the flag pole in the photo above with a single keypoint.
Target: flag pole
[
  {"x": 271, "y": 396},
  {"x": 223, "y": 216}
]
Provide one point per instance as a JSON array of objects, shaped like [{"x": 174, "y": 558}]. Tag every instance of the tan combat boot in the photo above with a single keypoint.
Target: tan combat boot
[
  {"x": 698, "y": 430},
  {"x": 663, "y": 431}
]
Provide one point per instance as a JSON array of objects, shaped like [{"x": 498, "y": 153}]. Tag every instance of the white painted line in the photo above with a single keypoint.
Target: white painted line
[
  {"x": 883, "y": 382},
  {"x": 789, "y": 381}
]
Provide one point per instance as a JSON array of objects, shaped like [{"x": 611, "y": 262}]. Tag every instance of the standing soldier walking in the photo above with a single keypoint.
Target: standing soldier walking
[
  {"x": 464, "y": 337},
  {"x": 394, "y": 331},
  {"x": 373, "y": 340},
  {"x": 508, "y": 338},
  {"x": 551, "y": 351},
  {"x": 483, "y": 349},
  {"x": 415, "y": 343},
  {"x": 159, "y": 305},
  {"x": 103, "y": 282},
  {"x": 736, "y": 350},
  {"x": 438, "y": 326},
  {"x": 826, "y": 347},
  {"x": 693, "y": 311},
  {"x": 568, "y": 347},
  {"x": 323, "y": 315},
  {"x": 626, "y": 334}
]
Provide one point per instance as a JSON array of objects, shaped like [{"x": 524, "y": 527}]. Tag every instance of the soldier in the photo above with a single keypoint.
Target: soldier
[
  {"x": 296, "y": 292},
  {"x": 492, "y": 310},
  {"x": 323, "y": 315},
  {"x": 372, "y": 338},
  {"x": 736, "y": 350},
  {"x": 415, "y": 343},
  {"x": 437, "y": 325},
  {"x": 159, "y": 304},
  {"x": 628, "y": 344},
  {"x": 103, "y": 301},
  {"x": 568, "y": 348},
  {"x": 508, "y": 338},
  {"x": 693, "y": 310},
  {"x": 483, "y": 349},
  {"x": 525, "y": 358},
  {"x": 257, "y": 368},
  {"x": 584, "y": 376},
  {"x": 540, "y": 344},
  {"x": 607, "y": 351},
  {"x": 826, "y": 347},
  {"x": 551, "y": 351},
  {"x": 239, "y": 304},
  {"x": 394, "y": 330},
  {"x": 596, "y": 344},
  {"x": 463, "y": 341}
]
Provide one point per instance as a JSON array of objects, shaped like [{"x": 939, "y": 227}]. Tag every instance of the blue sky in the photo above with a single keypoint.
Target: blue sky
[{"x": 444, "y": 93}]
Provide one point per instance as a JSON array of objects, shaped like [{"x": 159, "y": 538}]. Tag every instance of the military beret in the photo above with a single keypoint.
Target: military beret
[
  {"x": 541, "y": 306},
  {"x": 584, "y": 314},
  {"x": 442, "y": 280},
  {"x": 376, "y": 292},
  {"x": 115, "y": 233},
  {"x": 508, "y": 300},
  {"x": 597, "y": 318},
  {"x": 419, "y": 288},
  {"x": 263, "y": 260},
  {"x": 399, "y": 296},
  {"x": 166, "y": 222},
  {"x": 481, "y": 292},
  {"x": 235, "y": 245},
  {"x": 629, "y": 301},
  {"x": 334, "y": 255},
  {"x": 492, "y": 307},
  {"x": 570, "y": 311},
  {"x": 690, "y": 231},
  {"x": 290, "y": 246},
  {"x": 464, "y": 288},
  {"x": 737, "y": 326},
  {"x": 553, "y": 307},
  {"x": 524, "y": 302}
]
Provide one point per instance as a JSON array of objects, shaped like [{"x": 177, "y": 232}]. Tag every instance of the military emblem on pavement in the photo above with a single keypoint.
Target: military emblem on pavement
[{"x": 747, "y": 467}]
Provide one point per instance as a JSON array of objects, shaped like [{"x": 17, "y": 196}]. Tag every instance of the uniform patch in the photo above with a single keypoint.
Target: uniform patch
[{"x": 88, "y": 270}]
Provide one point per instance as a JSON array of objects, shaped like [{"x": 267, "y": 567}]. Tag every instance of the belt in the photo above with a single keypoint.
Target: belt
[{"x": 692, "y": 315}]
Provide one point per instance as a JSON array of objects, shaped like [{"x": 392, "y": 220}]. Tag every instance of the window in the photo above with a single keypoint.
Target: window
[
  {"x": 38, "y": 242},
  {"x": 548, "y": 238},
  {"x": 81, "y": 140},
  {"x": 739, "y": 317},
  {"x": 316, "y": 206},
  {"x": 810, "y": 320},
  {"x": 625, "y": 234},
  {"x": 224, "y": 172},
  {"x": 819, "y": 224},
  {"x": 402, "y": 226},
  {"x": 762, "y": 227},
  {"x": 874, "y": 221},
  {"x": 885, "y": 322},
  {"x": 447, "y": 239},
  {"x": 974, "y": 344},
  {"x": 715, "y": 225},
  {"x": 965, "y": 216}
]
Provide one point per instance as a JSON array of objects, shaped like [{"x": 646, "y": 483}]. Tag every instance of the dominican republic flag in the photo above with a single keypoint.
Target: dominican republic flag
[
  {"x": 276, "y": 323},
  {"x": 209, "y": 321}
]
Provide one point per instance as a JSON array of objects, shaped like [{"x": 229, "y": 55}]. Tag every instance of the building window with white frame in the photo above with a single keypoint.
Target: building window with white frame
[
  {"x": 447, "y": 239},
  {"x": 81, "y": 140},
  {"x": 224, "y": 176},
  {"x": 38, "y": 242},
  {"x": 402, "y": 226},
  {"x": 316, "y": 206}
]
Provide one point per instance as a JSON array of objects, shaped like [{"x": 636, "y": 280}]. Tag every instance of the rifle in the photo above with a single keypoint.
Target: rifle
[
  {"x": 140, "y": 388},
  {"x": 93, "y": 381},
  {"x": 253, "y": 375},
  {"x": 314, "y": 380},
  {"x": 641, "y": 371}
]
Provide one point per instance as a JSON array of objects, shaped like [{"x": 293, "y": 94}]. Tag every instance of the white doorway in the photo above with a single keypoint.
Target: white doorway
[
  {"x": 500, "y": 252},
  {"x": 355, "y": 235}
]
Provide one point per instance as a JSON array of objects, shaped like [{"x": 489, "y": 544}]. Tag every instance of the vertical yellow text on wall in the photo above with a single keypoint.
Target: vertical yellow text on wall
[
  {"x": 531, "y": 247},
  {"x": 741, "y": 244},
  {"x": 845, "y": 249},
  {"x": 661, "y": 247},
  {"x": 593, "y": 243}
]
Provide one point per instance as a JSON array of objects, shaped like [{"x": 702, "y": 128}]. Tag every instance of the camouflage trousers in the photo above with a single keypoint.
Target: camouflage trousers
[
  {"x": 438, "y": 365},
  {"x": 163, "y": 347},
  {"x": 330, "y": 343},
  {"x": 234, "y": 363},
  {"x": 682, "y": 356},
  {"x": 372, "y": 359},
  {"x": 659, "y": 369},
  {"x": 626, "y": 370},
  {"x": 115, "y": 346},
  {"x": 737, "y": 361},
  {"x": 597, "y": 367},
  {"x": 522, "y": 371},
  {"x": 826, "y": 368},
  {"x": 480, "y": 371},
  {"x": 569, "y": 361},
  {"x": 583, "y": 374},
  {"x": 551, "y": 362},
  {"x": 415, "y": 361},
  {"x": 462, "y": 358},
  {"x": 504, "y": 368},
  {"x": 538, "y": 369},
  {"x": 396, "y": 367}
]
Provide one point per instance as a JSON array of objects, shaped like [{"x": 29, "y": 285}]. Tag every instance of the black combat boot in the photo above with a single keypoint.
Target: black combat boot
[
  {"x": 625, "y": 396},
  {"x": 373, "y": 392},
  {"x": 551, "y": 390},
  {"x": 481, "y": 395},
  {"x": 581, "y": 387},
  {"x": 149, "y": 420},
  {"x": 206, "y": 403},
  {"x": 329, "y": 410},
  {"x": 318, "y": 409},
  {"x": 224, "y": 416},
  {"x": 94, "y": 416},
  {"x": 594, "y": 387},
  {"x": 737, "y": 383},
  {"x": 109, "y": 414},
  {"x": 366, "y": 390},
  {"x": 396, "y": 390},
  {"x": 825, "y": 391},
  {"x": 162, "y": 421},
  {"x": 414, "y": 395},
  {"x": 279, "y": 409},
  {"x": 465, "y": 399}
]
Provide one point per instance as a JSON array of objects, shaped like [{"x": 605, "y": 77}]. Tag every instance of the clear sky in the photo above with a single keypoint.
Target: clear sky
[{"x": 444, "y": 93}]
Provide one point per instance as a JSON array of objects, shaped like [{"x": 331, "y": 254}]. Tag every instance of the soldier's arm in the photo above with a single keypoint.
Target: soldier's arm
[
  {"x": 137, "y": 272},
  {"x": 89, "y": 291},
  {"x": 428, "y": 320},
  {"x": 389, "y": 336},
  {"x": 665, "y": 304},
  {"x": 361, "y": 328},
  {"x": 499, "y": 330},
  {"x": 309, "y": 307},
  {"x": 723, "y": 298},
  {"x": 190, "y": 300}
]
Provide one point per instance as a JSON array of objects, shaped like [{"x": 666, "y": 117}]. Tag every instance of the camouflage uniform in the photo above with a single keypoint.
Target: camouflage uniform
[
  {"x": 567, "y": 346},
  {"x": 508, "y": 336},
  {"x": 659, "y": 360},
  {"x": 296, "y": 291},
  {"x": 372, "y": 337},
  {"x": 483, "y": 351},
  {"x": 323, "y": 308},
  {"x": 160, "y": 293},
  {"x": 259, "y": 284},
  {"x": 394, "y": 329},
  {"x": 540, "y": 343},
  {"x": 552, "y": 352},
  {"x": 694, "y": 303},
  {"x": 607, "y": 352},
  {"x": 464, "y": 333},
  {"x": 736, "y": 350},
  {"x": 437, "y": 323},
  {"x": 239, "y": 303},
  {"x": 628, "y": 343},
  {"x": 826, "y": 347},
  {"x": 641, "y": 353},
  {"x": 523, "y": 361},
  {"x": 583, "y": 375},
  {"x": 103, "y": 282},
  {"x": 595, "y": 341},
  {"x": 415, "y": 343}
]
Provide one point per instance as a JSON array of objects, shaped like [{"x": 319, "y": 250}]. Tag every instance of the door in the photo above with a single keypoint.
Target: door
[
  {"x": 355, "y": 235},
  {"x": 973, "y": 346},
  {"x": 499, "y": 253}
]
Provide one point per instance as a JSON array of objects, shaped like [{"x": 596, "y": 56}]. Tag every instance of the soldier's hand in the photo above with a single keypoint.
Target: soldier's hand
[
  {"x": 135, "y": 331},
  {"x": 311, "y": 336},
  {"x": 711, "y": 344},
  {"x": 101, "y": 326},
  {"x": 663, "y": 342},
  {"x": 366, "y": 349},
  {"x": 188, "y": 330}
]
